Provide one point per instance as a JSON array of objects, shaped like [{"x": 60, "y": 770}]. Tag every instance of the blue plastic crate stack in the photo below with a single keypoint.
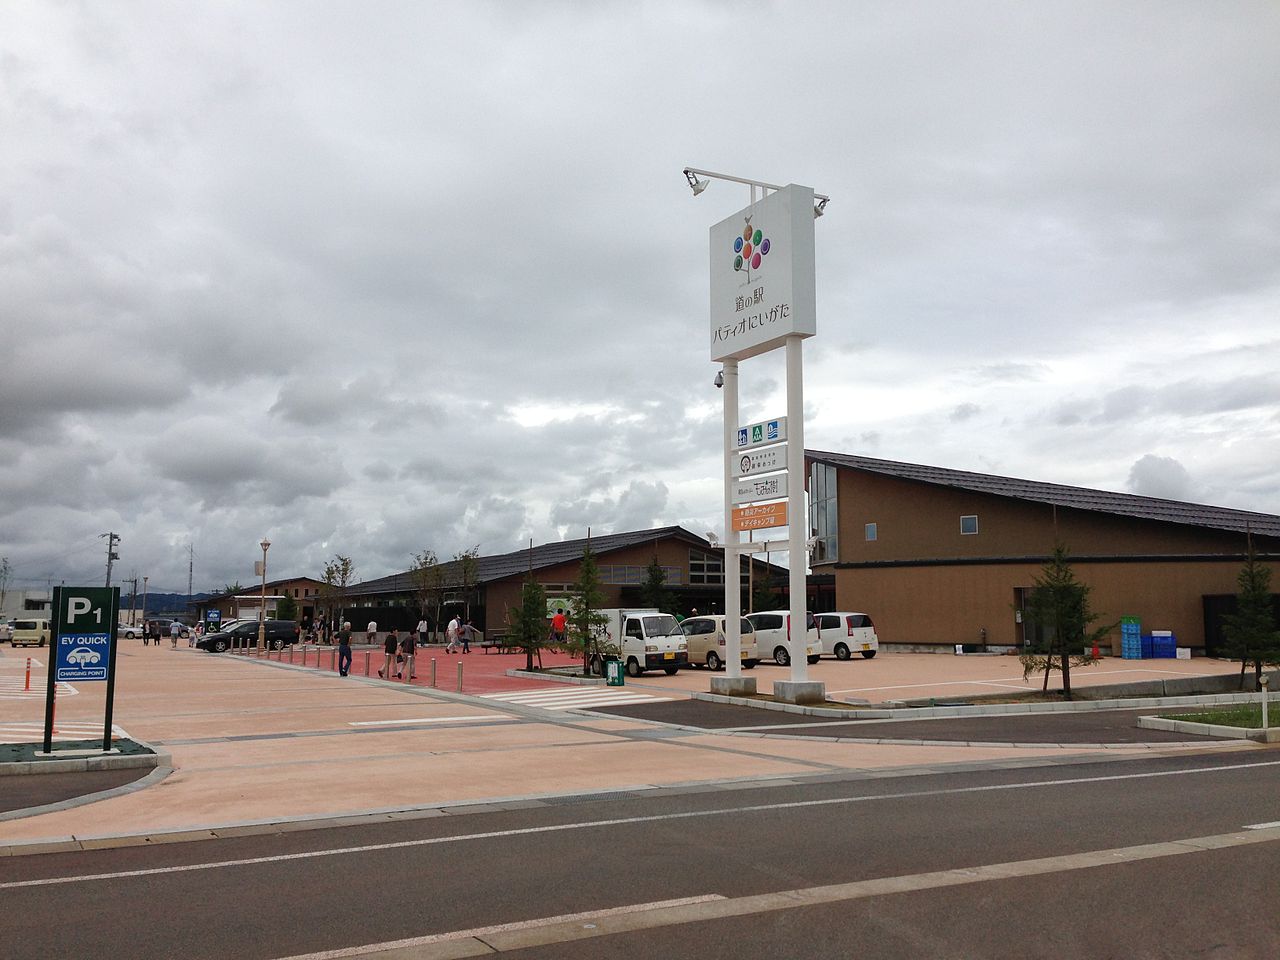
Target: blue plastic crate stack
[{"x": 1130, "y": 638}]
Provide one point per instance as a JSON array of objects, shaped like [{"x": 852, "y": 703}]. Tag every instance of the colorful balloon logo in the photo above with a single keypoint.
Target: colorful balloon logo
[{"x": 750, "y": 249}]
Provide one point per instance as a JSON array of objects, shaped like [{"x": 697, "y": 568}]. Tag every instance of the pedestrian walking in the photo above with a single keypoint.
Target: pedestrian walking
[
  {"x": 344, "y": 650},
  {"x": 174, "y": 629},
  {"x": 452, "y": 635},
  {"x": 467, "y": 631},
  {"x": 390, "y": 650},
  {"x": 423, "y": 627},
  {"x": 195, "y": 634},
  {"x": 408, "y": 647},
  {"x": 371, "y": 632},
  {"x": 559, "y": 624}
]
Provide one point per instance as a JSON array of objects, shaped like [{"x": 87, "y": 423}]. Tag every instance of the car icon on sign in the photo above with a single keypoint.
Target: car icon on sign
[{"x": 83, "y": 656}]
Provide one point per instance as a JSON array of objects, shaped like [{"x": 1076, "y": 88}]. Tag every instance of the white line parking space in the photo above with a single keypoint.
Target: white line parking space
[
  {"x": 14, "y": 688},
  {"x": 64, "y": 732},
  {"x": 577, "y": 698},
  {"x": 477, "y": 718}
]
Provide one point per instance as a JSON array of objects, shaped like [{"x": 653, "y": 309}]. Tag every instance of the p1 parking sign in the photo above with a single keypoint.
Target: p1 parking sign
[{"x": 84, "y": 647}]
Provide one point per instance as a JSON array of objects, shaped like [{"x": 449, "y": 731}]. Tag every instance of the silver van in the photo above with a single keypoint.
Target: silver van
[
  {"x": 707, "y": 642},
  {"x": 30, "y": 633}
]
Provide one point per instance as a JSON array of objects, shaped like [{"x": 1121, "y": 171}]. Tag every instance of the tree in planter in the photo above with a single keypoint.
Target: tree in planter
[
  {"x": 586, "y": 624},
  {"x": 763, "y": 596},
  {"x": 653, "y": 590},
  {"x": 1251, "y": 631},
  {"x": 287, "y": 608},
  {"x": 1059, "y": 604},
  {"x": 529, "y": 629}
]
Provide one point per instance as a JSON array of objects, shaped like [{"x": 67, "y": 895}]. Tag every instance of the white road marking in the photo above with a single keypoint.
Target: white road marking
[
  {"x": 506, "y": 928},
  {"x": 14, "y": 688},
  {"x": 622, "y": 821},
  {"x": 573, "y": 699},
  {"x": 1263, "y": 826},
  {"x": 556, "y": 930},
  {"x": 478, "y": 718},
  {"x": 34, "y": 730},
  {"x": 1018, "y": 683}
]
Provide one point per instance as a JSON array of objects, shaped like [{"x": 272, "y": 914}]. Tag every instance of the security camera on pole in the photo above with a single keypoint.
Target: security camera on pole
[{"x": 763, "y": 296}]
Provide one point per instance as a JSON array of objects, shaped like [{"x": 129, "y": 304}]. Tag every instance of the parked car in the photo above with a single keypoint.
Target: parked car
[
  {"x": 643, "y": 639},
  {"x": 707, "y": 643},
  {"x": 844, "y": 632},
  {"x": 30, "y": 633},
  {"x": 773, "y": 632},
  {"x": 245, "y": 634},
  {"x": 130, "y": 631},
  {"x": 6, "y": 631}
]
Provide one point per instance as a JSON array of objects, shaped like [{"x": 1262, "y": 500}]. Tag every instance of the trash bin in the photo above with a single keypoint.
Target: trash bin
[{"x": 613, "y": 674}]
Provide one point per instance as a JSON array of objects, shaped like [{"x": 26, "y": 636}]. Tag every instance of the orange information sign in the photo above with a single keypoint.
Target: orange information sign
[{"x": 760, "y": 515}]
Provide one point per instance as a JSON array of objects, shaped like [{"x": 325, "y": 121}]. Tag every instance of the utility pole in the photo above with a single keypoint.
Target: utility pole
[
  {"x": 144, "y": 602},
  {"x": 112, "y": 540},
  {"x": 191, "y": 565},
  {"x": 133, "y": 598}
]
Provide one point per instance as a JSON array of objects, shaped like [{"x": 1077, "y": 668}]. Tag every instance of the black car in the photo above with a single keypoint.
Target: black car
[{"x": 245, "y": 634}]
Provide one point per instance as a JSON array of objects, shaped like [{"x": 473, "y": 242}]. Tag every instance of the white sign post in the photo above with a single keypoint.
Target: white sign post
[{"x": 763, "y": 296}]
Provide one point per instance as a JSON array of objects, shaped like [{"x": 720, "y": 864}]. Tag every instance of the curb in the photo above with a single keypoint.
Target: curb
[
  {"x": 557, "y": 678},
  {"x": 88, "y": 764},
  {"x": 979, "y": 710},
  {"x": 1270, "y": 735}
]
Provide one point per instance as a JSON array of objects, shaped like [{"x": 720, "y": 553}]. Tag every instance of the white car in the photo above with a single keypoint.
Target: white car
[
  {"x": 130, "y": 631},
  {"x": 843, "y": 632},
  {"x": 773, "y": 632}
]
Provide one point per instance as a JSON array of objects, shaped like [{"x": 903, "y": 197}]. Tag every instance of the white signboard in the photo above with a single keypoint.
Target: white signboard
[
  {"x": 762, "y": 461},
  {"x": 764, "y": 488},
  {"x": 758, "y": 434},
  {"x": 762, "y": 277}
]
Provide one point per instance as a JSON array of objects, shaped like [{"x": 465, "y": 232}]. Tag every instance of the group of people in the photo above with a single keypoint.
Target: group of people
[{"x": 399, "y": 652}]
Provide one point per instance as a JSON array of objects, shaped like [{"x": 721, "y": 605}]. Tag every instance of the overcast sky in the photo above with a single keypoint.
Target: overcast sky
[{"x": 368, "y": 278}]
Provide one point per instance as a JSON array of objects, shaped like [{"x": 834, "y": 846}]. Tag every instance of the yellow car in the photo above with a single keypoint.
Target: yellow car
[{"x": 28, "y": 633}]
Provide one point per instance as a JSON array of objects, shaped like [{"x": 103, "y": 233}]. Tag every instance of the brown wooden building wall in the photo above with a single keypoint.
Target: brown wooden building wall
[{"x": 924, "y": 582}]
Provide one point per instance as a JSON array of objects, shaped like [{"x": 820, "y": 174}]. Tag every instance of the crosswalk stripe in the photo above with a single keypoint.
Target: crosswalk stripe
[
  {"x": 573, "y": 699},
  {"x": 28, "y": 732}
]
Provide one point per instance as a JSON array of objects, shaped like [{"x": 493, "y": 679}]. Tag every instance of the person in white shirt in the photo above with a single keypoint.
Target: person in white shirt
[
  {"x": 371, "y": 632},
  {"x": 452, "y": 635},
  {"x": 422, "y": 630}
]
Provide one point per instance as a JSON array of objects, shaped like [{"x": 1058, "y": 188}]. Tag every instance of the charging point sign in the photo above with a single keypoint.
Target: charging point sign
[{"x": 84, "y": 648}]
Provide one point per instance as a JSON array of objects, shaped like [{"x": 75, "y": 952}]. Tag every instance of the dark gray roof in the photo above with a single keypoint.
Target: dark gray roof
[
  {"x": 1078, "y": 498},
  {"x": 504, "y": 565}
]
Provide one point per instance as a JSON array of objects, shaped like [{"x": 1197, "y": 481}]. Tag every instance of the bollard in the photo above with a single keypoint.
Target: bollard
[
  {"x": 1263, "y": 681},
  {"x": 459, "y": 676},
  {"x": 291, "y": 654},
  {"x": 333, "y": 659},
  {"x": 367, "y": 654},
  {"x": 433, "y": 671},
  {"x": 28, "y": 686}
]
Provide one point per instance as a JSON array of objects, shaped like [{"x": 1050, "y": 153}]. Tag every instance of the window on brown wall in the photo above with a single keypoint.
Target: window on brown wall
[
  {"x": 823, "y": 514},
  {"x": 969, "y": 525}
]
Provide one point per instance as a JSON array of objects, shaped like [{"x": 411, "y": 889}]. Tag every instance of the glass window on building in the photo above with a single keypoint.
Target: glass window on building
[
  {"x": 823, "y": 514},
  {"x": 870, "y": 531},
  {"x": 705, "y": 567},
  {"x": 969, "y": 525}
]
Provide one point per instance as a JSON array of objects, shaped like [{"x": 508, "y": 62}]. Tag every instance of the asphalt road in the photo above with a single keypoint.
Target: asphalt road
[
  {"x": 743, "y": 862},
  {"x": 37, "y": 789}
]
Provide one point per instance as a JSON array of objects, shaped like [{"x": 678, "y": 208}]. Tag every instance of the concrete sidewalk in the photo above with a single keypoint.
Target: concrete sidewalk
[{"x": 260, "y": 742}]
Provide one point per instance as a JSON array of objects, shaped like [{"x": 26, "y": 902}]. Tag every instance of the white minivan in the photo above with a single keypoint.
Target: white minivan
[
  {"x": 773, "y": 633},
  {"x": 843, "y": 633}
]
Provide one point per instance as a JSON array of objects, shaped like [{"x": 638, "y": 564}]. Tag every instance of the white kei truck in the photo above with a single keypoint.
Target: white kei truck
[{"x": 643, "y": 639}]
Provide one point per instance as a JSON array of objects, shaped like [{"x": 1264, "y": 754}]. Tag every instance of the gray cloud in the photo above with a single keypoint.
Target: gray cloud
[{"x": 1164, "y": 477}]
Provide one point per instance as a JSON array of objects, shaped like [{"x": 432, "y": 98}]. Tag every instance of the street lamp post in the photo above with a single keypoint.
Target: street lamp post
[{"x": 262, "y": 610}]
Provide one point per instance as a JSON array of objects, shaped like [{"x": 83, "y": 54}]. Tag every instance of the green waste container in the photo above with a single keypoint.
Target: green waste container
[{"x": 613, "y": 675}]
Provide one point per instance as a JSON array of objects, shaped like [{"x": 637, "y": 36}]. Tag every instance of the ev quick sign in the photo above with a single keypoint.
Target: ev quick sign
[{"x": 86, "y": 618}]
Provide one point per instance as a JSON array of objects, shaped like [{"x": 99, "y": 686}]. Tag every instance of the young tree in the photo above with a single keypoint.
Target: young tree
[
  {"x": 529, "y": 628},
  {"x": 287, "y": 608},
  {"x": 338, "y": 574},
  {"x": 586, "y": 623},
  {"x": 427, "y": 583},
  {"x": 233, "y": 588},
  {"x": 1059, "y": 604},
  {"x": 6, "y": 575},
  {"x": 653, "y": 591},
  {"x": 467, "y": 575},
  {"x": 763, "y": 596},
  {"x": 1251, "y": 631}
]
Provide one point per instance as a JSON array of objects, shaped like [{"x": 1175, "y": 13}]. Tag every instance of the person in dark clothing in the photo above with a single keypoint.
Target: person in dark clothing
[
  {"x": 390, "y": 647},
  {"x": 408, "y": 648},
  {"x": 344, "y": 650}
]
